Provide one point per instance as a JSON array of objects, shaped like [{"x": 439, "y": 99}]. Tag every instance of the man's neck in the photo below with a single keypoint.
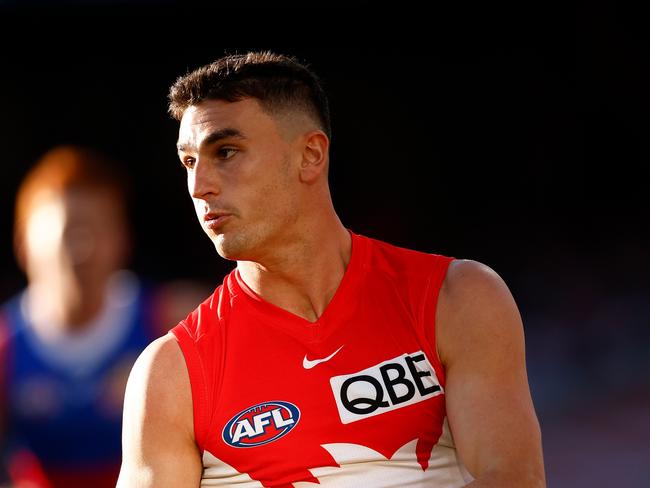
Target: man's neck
[{"x": 303, "y": 277}]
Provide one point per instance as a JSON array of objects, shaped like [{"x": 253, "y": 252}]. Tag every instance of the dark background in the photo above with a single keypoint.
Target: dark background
[{"x": 516, "y": 136}]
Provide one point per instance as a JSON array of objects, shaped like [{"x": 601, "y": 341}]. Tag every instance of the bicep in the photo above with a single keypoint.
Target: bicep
[
  {"x": 489, "y": 407},
  {"x": 158, "y": 448}
]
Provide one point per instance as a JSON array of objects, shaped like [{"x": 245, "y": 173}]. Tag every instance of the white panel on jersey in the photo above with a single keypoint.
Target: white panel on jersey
[
  {"x": 218, "y": 473},
  {"x": 361, "y": 466},
  {"x": 447, "y": 470}
]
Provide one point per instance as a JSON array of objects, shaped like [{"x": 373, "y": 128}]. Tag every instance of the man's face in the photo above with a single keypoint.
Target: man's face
[{"x": 242, "y": 176}]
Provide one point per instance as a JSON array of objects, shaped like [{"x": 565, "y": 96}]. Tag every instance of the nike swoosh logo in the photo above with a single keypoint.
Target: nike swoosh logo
[{"x": 307, "y": 364}]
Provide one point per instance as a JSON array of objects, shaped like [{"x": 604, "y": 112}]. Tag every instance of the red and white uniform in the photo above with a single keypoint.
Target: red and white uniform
[{"x": 355, "y": 399}]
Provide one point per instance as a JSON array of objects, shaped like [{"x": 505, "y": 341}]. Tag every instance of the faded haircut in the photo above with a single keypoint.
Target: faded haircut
[{"x": 279, "y": 82}]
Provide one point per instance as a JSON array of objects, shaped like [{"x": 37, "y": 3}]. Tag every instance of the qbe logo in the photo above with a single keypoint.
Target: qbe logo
[
  {"x": 393, "y": 384},
  {"x": 261, "y": 424}
]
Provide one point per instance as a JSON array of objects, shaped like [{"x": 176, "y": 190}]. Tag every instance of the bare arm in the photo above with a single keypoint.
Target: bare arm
[
  {"x": 158, "y": 447},
  {"x": 490, "y": 411}
]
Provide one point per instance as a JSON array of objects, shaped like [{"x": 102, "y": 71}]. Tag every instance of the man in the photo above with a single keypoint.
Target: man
[
  {"x": 68, "y": 342},
  {"x": 325, "y": 358}
]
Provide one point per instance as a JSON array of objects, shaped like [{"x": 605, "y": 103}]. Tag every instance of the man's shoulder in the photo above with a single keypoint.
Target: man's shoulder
[
  {"x": 160, "y": 369},
  {"x": 397, "y": 257},
  {"x": 475, "y": 304},
  {"x": 158, "y": 400},
  {"x": 159, "y": 354},
  {"x": 468, "y": 278}
]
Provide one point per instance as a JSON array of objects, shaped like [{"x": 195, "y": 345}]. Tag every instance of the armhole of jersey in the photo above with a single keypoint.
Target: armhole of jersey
[
  {"x": 197, "y": 381},
  {"x": 429, "y": 311}
]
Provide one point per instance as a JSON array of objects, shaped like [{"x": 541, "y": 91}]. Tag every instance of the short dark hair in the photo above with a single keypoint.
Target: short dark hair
[{"x": 277, "y": 81}]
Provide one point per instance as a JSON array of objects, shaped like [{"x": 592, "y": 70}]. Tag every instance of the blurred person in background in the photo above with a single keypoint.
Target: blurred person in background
[{"x": 68, "y": 341}]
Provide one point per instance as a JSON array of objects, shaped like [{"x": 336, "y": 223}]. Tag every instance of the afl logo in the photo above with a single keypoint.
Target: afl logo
[{"x": 261, "y": 424}]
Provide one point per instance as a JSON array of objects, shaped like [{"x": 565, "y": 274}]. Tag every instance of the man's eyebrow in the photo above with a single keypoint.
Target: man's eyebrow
[{"x": 212, "y": 138}]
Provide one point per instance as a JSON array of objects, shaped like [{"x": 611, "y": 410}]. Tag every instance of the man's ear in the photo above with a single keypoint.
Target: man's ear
[{"x": 315, "y": 156}]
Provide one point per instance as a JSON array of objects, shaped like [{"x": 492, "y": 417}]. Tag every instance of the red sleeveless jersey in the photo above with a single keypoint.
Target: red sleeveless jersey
[{"x": 353, "y": 399}]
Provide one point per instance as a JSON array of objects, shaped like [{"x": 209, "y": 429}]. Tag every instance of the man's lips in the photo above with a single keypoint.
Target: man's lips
[{"x": 214, "y": 220}]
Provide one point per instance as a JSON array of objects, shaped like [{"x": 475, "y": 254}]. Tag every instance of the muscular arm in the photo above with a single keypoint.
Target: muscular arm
[
  {"x": 158, "y": 448},
  {"x": 481, "y": 344}
]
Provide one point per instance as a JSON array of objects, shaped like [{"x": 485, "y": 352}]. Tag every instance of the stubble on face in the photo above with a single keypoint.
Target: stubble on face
[{"x": 268, "y": 222}]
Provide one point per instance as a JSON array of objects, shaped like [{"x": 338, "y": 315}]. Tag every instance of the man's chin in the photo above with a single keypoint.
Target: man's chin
[
  {"x": 228, "y": 248},
  {"x": 225, "y": 255}
]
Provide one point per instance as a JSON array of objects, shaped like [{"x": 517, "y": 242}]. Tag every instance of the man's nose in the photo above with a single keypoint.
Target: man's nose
[{"x": 202, "y": 180}]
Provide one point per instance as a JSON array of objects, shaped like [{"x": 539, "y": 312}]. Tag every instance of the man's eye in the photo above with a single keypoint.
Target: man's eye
[{"x": 226, "y": 152}]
